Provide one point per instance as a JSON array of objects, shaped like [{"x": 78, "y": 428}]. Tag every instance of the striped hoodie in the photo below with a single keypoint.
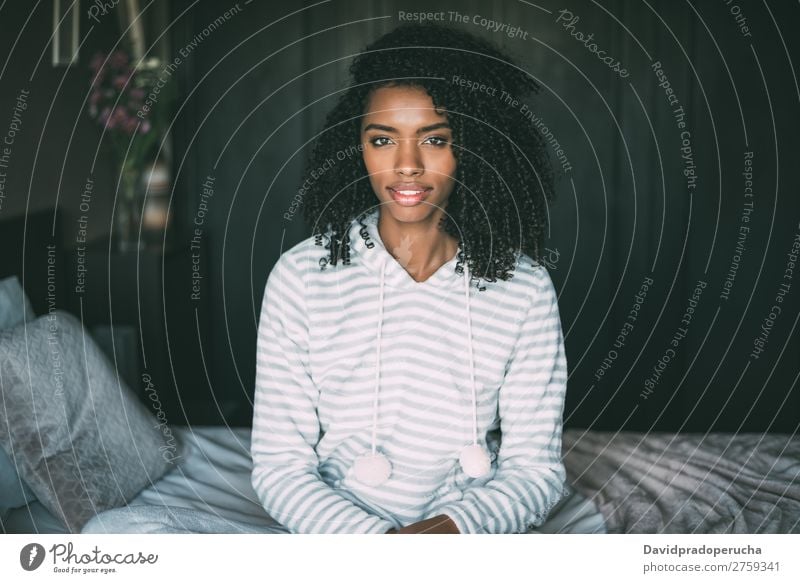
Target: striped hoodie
[{"x": 315, "y": 393}]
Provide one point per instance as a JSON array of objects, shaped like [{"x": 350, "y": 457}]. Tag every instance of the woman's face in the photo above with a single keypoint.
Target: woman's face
[{"x": 408, "y": 153}]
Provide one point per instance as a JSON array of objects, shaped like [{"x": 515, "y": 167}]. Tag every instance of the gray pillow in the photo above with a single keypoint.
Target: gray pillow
[
  {"x": 82, "y": 441},
  {"x": 15, "y": 307},
  {"x": 13, "y": 491},
  {"x": 14, "y": 304}
]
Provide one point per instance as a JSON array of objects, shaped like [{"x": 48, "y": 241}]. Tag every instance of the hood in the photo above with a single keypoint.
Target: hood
[{"x": 367, "y": 245}]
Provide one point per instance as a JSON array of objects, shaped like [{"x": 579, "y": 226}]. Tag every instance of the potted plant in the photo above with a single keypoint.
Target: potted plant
[{"x": 133, "y": 124}]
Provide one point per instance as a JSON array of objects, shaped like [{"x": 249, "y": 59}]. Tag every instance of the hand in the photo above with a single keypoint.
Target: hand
[{"x": 441, "y": 524}]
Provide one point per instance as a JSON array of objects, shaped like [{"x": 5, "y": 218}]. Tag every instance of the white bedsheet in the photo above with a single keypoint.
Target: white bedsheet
[{"x": 215, "y": 477}]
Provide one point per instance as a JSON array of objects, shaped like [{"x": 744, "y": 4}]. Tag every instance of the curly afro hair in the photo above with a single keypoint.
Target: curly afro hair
[{"x": 504, "y": 179}]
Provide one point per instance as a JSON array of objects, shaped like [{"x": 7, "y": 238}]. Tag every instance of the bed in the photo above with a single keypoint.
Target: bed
[
  {"x": 214, "y": 477},
  {"x": 622, "y": 483},
  {"x": 688, "y": 483}
]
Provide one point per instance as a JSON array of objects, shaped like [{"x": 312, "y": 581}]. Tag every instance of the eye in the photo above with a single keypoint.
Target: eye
[
  {"x": 437, "y": 141},
  {"x": 377, "y": 141}
]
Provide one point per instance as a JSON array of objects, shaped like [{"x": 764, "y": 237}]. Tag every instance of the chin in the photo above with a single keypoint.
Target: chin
[{"x": 412, "y": 214}]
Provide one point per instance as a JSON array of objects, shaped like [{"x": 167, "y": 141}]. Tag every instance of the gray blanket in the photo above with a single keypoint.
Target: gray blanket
[{"x": 688, "y": 483}]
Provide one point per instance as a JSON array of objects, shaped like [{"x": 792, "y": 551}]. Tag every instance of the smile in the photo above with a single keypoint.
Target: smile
[{"x": 408, "y": 197}]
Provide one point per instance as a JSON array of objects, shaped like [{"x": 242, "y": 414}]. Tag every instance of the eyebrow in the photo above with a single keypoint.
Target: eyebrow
[{"x": 422, "y": 130}]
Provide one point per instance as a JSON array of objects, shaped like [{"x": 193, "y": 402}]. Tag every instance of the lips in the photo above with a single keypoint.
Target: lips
[{"x": 408, "y": 193}]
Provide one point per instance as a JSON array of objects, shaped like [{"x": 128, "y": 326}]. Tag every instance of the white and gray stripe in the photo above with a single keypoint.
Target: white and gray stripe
[{"x": 315, "y": 375}]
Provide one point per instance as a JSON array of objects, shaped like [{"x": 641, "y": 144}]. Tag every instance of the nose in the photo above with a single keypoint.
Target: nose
[{"x": 408, "y": 160}]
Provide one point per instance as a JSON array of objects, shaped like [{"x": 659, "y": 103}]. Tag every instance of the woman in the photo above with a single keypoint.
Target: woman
[{"x": 405, "y": 381}]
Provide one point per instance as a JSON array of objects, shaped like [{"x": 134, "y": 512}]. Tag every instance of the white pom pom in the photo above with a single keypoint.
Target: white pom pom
[
  {"x": 372, "y": 470},
  {"x": 475, "y": 461}
]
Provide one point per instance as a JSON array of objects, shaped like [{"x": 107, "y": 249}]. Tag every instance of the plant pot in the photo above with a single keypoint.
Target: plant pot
[{"x": 127, "y": 211}]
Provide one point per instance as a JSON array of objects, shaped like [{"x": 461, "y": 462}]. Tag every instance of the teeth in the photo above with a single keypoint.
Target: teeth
[{"x": 409, "y": 192}]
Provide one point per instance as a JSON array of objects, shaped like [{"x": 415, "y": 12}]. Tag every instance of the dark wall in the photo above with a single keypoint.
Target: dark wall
[
  {"x": 56, "y": 147},
  {"x": 626, "y": 214},
  {"x": 255, "y": 88}
]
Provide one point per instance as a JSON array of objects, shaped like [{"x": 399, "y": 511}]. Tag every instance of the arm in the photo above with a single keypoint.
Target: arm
[
  {"x": 285, "y": 424},
  {"x": 530, "y": 477}
]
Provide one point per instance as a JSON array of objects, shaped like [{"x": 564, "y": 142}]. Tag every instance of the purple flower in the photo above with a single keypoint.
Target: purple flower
[
  {"x": 130, "y": 125},
  {"x": 117, "y": 119},
  {"x": 99, "y": 77},
  {"x": 117, "y": 94},
  {"x": 120, "y": 81},
  {"x": 118, "y": 59},
  {"x": 97, "y": 61}
]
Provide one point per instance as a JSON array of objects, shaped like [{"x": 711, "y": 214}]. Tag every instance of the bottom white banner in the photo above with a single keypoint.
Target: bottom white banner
[{"x": 229, "y": 558}]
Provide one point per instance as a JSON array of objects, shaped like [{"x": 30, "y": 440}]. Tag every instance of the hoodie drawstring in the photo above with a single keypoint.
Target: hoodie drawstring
[
  {"x": 378, "y": 361},
  {"x": 373, "y": 469}
]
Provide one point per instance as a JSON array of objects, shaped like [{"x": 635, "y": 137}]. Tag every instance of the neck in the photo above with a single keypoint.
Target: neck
[{"x": 421, "y": 247}]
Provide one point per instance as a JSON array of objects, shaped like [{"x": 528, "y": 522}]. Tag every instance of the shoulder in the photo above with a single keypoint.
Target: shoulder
[
  {"x": 301, "y": 261},
  {"x": 533, "y": 280},
  {"x": 294, "y": 272}
]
